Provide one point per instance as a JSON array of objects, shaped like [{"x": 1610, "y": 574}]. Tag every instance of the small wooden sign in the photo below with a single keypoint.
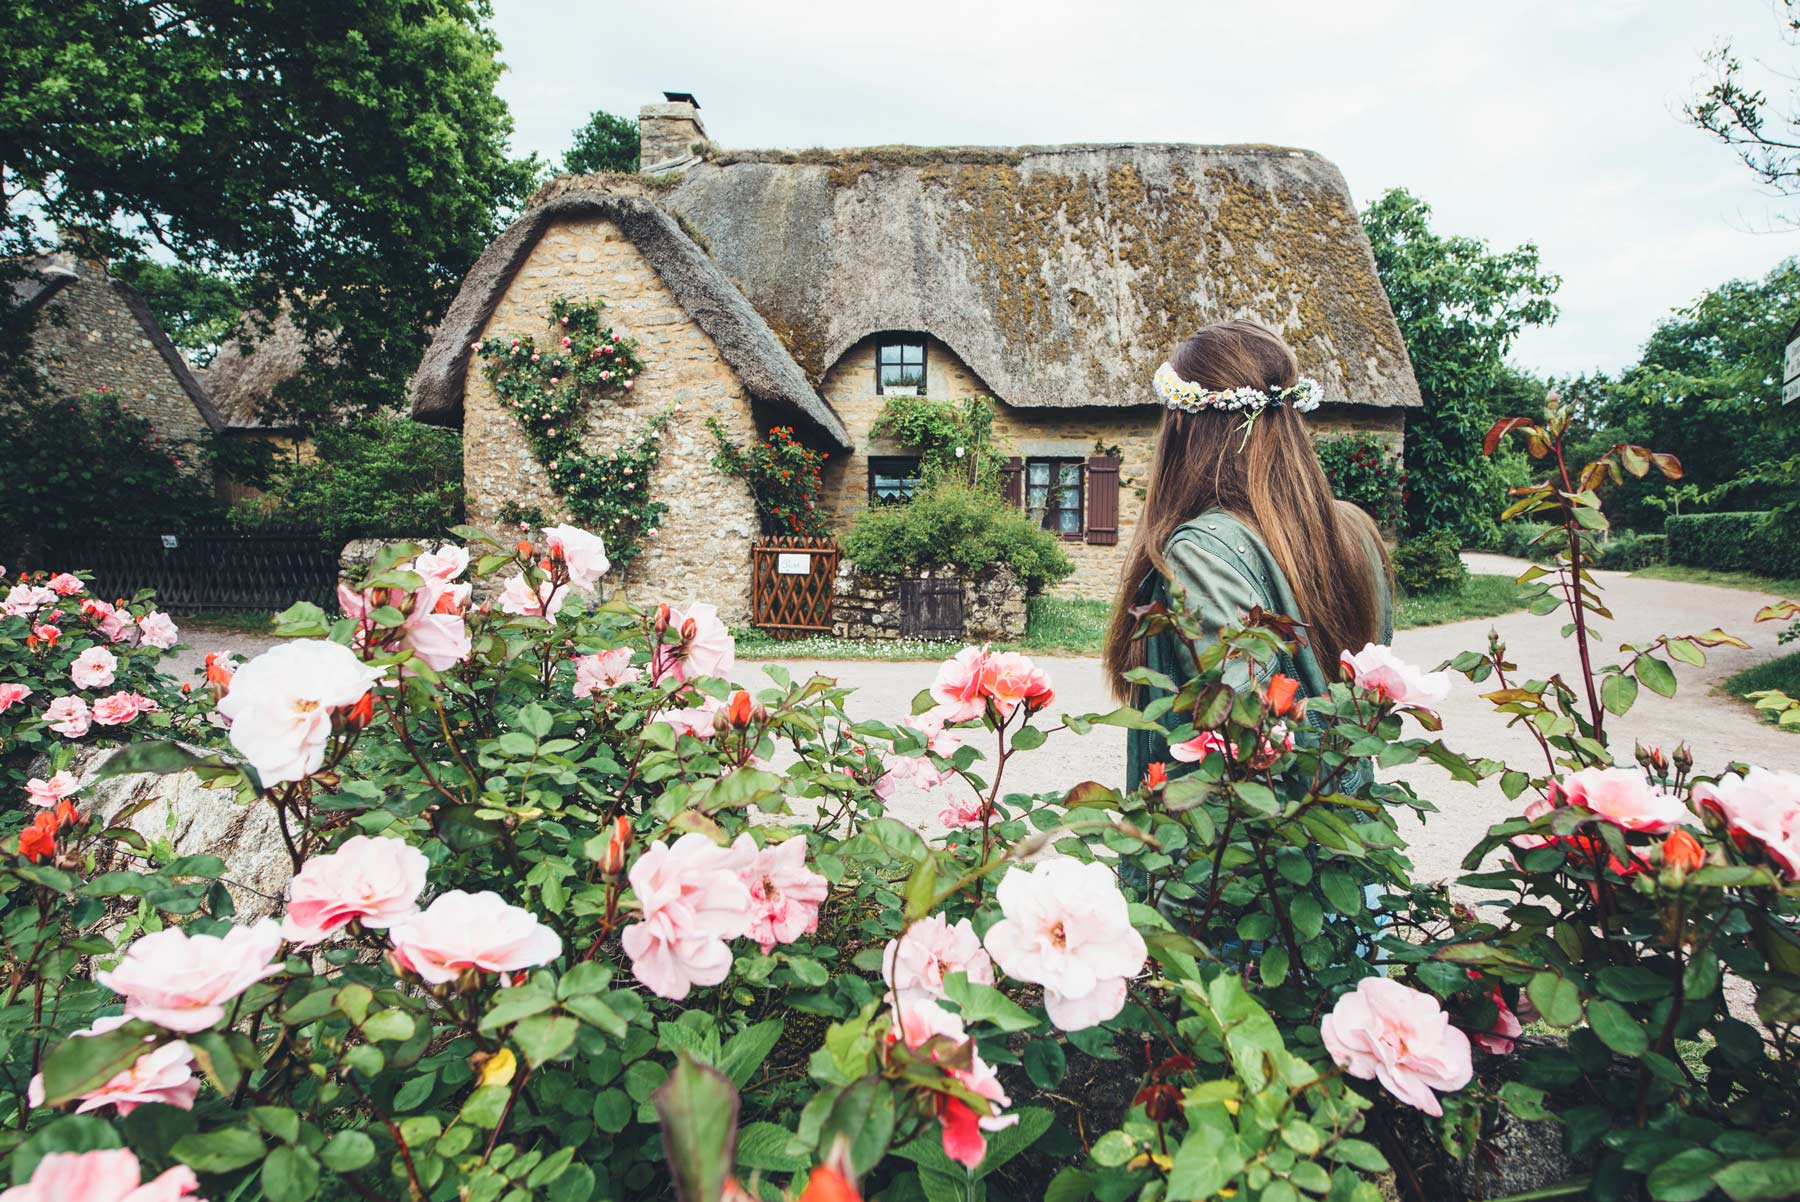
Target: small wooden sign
[
  {"x": 170, "y": 542},
  {"x": 793, "y": 563}
]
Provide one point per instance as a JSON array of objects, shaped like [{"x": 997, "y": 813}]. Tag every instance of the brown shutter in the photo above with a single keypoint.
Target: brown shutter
[
  {"x": 1012, "y": 482},
  {"x": 1103, "y": 500}
]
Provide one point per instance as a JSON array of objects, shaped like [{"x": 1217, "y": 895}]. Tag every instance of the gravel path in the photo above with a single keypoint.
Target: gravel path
[{"x": 1716, "y": 726}]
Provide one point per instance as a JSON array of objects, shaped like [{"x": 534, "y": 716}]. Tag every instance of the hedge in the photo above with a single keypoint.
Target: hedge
[{"x": 1732, "y": 542}]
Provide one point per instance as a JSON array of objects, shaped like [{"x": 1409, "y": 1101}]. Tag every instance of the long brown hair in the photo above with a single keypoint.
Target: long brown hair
[{"x": 1271, "y": 481}]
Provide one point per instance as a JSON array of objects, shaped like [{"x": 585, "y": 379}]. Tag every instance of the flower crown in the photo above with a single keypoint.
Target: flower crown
[{"x": 1188, "y": 397}]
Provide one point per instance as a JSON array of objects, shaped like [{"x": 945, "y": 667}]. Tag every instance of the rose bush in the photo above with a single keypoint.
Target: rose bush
[{"x": 578, "y": 913}]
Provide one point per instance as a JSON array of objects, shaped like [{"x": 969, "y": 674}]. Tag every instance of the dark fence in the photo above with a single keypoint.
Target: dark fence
[{"x": 201, "y": 568}]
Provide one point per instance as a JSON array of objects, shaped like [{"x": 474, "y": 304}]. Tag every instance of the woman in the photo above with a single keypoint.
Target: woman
[{"x": 1238, "y": 514}]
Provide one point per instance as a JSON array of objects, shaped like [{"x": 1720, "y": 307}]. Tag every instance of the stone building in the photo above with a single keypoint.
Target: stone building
[
  {"x": 91, "y": 332},
  {"x": 1053, "y": 279}
]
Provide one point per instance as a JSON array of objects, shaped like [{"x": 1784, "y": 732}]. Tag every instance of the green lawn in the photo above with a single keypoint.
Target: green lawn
[
  {"x": 1482, "y": 597},
  {"x": 233, "y": 621},
  {"x": 1743, "y": 580},
  {"x": 1782, "y": 674}
]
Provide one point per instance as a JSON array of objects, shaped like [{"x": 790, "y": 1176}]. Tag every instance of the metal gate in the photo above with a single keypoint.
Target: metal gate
[
  {"x": 791, "y": 583},
  {"x": 931, "y": 607}
]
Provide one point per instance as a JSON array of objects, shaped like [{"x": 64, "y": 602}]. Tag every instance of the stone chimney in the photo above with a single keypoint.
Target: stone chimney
[{"x": 670, "y": 136}]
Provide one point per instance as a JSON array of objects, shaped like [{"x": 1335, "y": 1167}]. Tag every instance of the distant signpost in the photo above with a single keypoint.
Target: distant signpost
[{"x": 1790, "y": 367}]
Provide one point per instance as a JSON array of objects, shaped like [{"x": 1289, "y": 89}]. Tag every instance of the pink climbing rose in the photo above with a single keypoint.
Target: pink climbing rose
[
  {"x": 596, "y": 674},
  {"x": 1384, "y": 1031},
  {"x": 374, "y": 881},
  {"x": 784, "y": 893},
  {"x": 94, "y": 668},
  {"x": 1067, "y": 928},
  {"x": 582, "y": 554},
  {"x": 922, "y": 1023},
  {"x": 68, "y": 716},
  {"x": 1622, "y": 796},
  {"x": 182, "y": 982},
  {"x": 461, "y": 931},
  {"x": 281, "y": 703},
  {"x": 164, "y": 1075},
  {"x": 1376, "y": 669},
  {"x": 109, "y": 1175},
  {"x": 693, "y": 901},
  {"x": 46, "y": 793},
  {"x": 915, "y": 963}
]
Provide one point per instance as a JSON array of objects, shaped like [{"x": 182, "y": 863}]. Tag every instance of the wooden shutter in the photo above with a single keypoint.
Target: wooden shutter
[
  {"x": 1012, "y": 482},
  {"x": 1103, "y": 500}
]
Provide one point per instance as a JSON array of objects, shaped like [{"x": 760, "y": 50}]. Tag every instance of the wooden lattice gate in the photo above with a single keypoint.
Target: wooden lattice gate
[{"x": 791, "y": 582}]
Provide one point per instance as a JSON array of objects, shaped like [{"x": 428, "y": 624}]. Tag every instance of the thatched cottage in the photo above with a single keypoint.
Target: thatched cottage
[{"x": 803, "y": 288}]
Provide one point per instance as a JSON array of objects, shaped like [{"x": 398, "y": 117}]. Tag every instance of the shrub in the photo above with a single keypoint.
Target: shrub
[
  {"x": 1431, "y": 563},
  {"x": 1732, "y": 542},
  {"x": 1526, "y": 540},
  {"x": 961, "y": 527},
  {"x": 1364, "y": 470},
  {"x": 379, "y": 476},
  {"x": 1627, "y": 551}
]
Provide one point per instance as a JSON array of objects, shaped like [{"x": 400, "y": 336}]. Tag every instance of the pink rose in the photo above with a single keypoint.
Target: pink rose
[
  {"x": 47, "y": 793},
  {"x": 1761, "y": 807},
  {"x": 957, "y": 689},
  {"x": 1498, "y": 1039},
  {"x": 110, "y": 1175},
  {"x": 64, "y": 585},
  {"x": 281, "y": 702},
  {"x": 704, "y": 647},
  {"x": 93, "y": 668},
  {"x": 963, "y": 814},
  {"x": 165, "y": 1075},
  {"x": 446, "y": 563},
  {"x": 11, "y": 693},
  {"x": 432, "y": 629},
  {"x": 1011, "y": 680},
  {"x": 915, "y": 963},
  {"x": 581, "y": 553},
  {"x": 693, "y": 901},
  {"x": 920, "y": 1023},
  {"x": 461, "y": 931},
  {"x": 182, "y": 982},
  {"x": 784, "y": 893},
  {"x": 117, "y": 709},
  {"x": 158, "y": 630},
  {"x": 701, "y": 720},
  {"x": 23, "y": 600},
  {"x": 1383, "y": 1031},
  {"x": 115, "y": 624},
  {"x": 1067, "y": 928},
  {"x": 595, "y": 674},
  {"x": 68, "y": 716},
  {"x": 1199, "y": 747},
  {"x": 518, "y": 597},
  {"x": 371, "y": 880},
  {"x": 1376, "y": 669},
  {"x": 1621, "y": 796}
]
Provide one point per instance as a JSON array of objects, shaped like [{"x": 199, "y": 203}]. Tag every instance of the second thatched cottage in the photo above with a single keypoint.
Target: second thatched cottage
[{"x": 803, "y": 288}]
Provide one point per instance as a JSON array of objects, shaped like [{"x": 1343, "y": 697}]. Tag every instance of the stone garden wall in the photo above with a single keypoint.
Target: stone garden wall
[{"x": 866, "y": 605}]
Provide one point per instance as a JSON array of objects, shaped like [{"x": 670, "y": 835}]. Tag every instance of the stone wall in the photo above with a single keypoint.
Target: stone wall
[
  {"x": 866, "y": 605},
  {"x": 702, "y": 550},
  {"x": 849, "y": 386},
  {"x": 87, "y": 338}
]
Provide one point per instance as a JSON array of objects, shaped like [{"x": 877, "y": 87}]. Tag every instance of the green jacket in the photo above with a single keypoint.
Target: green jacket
[{"x": 1226, "y": 570}]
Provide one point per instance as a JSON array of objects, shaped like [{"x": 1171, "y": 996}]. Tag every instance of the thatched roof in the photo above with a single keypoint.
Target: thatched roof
[
  {"x": 248, "y": 368},
  {"x": 1062, "y": 275},
  {"x": 746, "y": 343}
]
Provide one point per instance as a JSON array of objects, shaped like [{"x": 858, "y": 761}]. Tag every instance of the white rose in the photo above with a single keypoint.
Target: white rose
[{"x": 280, "y": 705}]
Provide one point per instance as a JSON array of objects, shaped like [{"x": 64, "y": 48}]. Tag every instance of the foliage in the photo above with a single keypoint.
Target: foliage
[
  {"x": 1732, "y": 542},
  {"x": 1737, "y": 113},
  {"x": 1627, "y": 551},
  {"x": 953, "y": 439},
  {"x": 783, "y": 475},
  {"x": 1460, "y": 305},
  {"x": 550, "y": 393},
  {"x": 1524, "y": 539},
  {"x": 1430, "y": 564},
  {"x": 378, "y": 476},
  {"x": 198, "y": 309},
  {"x": 89, "y": 465},
  {"x": 959, "y": 526},
  {"x": 604, "y": 143},
  {"x": 1772, "y": 686},
  {"x": 1364, "y": 470},
  {"x": 347, "y": 160},
  {"x": 1071, "y": 625},
  {"x": 1481, "y": 596}
]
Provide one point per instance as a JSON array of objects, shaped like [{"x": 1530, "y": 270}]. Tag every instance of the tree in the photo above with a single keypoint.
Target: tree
[
  {"x": 348, "y": 159},
  {"x": 1460, "y": 305},
  {"x": 197, "y": 309},
  {"x": 605, "y": 143},
  {"x": 1736, "y": 112},
  {"x": 380, "y": 476}
]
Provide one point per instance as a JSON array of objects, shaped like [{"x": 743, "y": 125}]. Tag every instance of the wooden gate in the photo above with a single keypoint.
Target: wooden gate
[
  {"x": 931, "y": 607},
  {"x": 791, "y": 581}
]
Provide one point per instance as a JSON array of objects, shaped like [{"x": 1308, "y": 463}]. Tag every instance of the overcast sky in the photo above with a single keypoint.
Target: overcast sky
[{"x": 1557, "y": 123}]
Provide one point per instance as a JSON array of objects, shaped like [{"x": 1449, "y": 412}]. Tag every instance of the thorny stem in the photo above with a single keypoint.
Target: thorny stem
[{"x": 1573, "y": 529}]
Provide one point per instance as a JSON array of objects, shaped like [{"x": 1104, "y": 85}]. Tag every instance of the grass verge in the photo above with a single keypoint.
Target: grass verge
[
  {"x": 1484, "y": 596},
  {"x": 231, "y": 621},
  {"x": 1742, "y": 580}
]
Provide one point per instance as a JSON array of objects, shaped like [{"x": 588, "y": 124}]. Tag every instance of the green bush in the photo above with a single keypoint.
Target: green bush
[
  {"x": 1431, "y": 563},
  {"x": 958, "y": 526},
  {"x": 1364, "y": 470},
  {"x": 1732, "y": 542},
  {"x": 1627, "y": 551},
  {"x": 380, "y": 476},
  {"x": 1525, "y": 540}
]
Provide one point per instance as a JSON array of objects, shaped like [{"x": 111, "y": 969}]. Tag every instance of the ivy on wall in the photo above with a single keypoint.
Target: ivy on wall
[{"x": 550, "y": 391}]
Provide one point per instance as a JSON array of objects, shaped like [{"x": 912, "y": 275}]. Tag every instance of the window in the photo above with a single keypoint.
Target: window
[
  {"x": 900, "y": 368},
  {"x": 893, "y": 479},
  {"x": 1053, "y": 494}
]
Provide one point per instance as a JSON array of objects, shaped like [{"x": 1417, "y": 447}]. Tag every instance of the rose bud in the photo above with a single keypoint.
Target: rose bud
[
  {"x": 361, "y": 714},
  {"x": 1280, "y": 693},
  {"x": 1682, "y": 852},
  {"x": 662, "y": 618},
  {"x": 524, "y": 549},
  {"x": 1684, "y": 759},
  {"x": 612, "y": 861},
  {"x": 1156, "y": 776},
  {"x": 739, "y": 710}
]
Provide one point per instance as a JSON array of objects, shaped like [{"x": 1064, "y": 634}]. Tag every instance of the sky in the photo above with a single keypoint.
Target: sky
[{"x": 1553, "y": 123}]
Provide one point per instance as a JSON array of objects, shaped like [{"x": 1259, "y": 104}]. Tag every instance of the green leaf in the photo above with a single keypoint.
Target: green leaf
[
  {"x": 1656, "y": 676},
  {"x": 389, "y": 1026},
  {"x": 744, "y": 1052},
  {"x": 921, "y": 889},
  {"x": 698, "y": 1108},
  {"x": 1069, "y": 1185},
  {"x": 766, "y": 1146},
  {"x": 219, "y": 1151},
  {"x": 1617, "y": 693},
  {"x": 612, "y": 1110},
  {"x": 984, "y": 1003},
  {"x": 1027, "y": 738},
  {"x": 1685, "y": 1176},
  {"x": 863, "y": 1115},
  {"x": 348, "y": 1151},
  {"x": 290, "y": 1174},
  {"x": 1558, "y": 999},
  {"x": 1760, "y": 1180},
  {"x": 1616, "y": 1028},
  {"x": 1274, "y": 966},
  {"x": 80, "y": 1066},
  {"x": 1045, "y": 1062},
  {"x": 1341, "y": 890},
  {"x": 544, "y": 1037}
]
